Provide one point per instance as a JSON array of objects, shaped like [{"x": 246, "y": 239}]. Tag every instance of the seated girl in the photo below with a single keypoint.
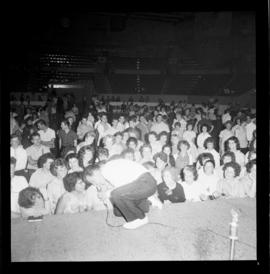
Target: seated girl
[
  {"x": 229, "y": 186},
  {"x": 170, "y": 189},
  {"x": 73, "y": 163},
  {"x": 249, "y": 180},
  {"x": 75, "y": 199},
  {"x": 192, "y": 189},
  {"x": 32, "y": 203}
]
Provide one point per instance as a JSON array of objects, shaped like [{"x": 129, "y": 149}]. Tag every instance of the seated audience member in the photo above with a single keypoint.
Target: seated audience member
[
  {"x": 168, "y": 150},
  {"x": 192, "y": 189},
  {"x": 128, "y": 154},
  {"x": 160, "y": 160},
  {"x": 189, "y": 135},
  {"x": 177, "y": 130},
  {"x": 19, "y": 153},
  {"x": 102, "y": 154},
  {"x": 42, "y": 177},
  {"x": 17, "y": 184},
  {"x": 239, "y": 132},
  {"x": 108, "y": 142},
  {"x": 202, "y": 158},
  {"x": 146, "y": 154},
  {"x": 32, "y": 203},
  {"x": 170, "y": 189},
  {"x": 174, "y": 142},
  {"x": 103, "y": 127},
  {"x": 26, "y": 133},
  {"x": 202, "y": 137},
  {"x": 232, "y": 145},
  {"x": 88, "y": 140},
  {"x": 230, "y": 186},
  {"x": 74, "y": 200},
  {"x": 250, "y": 126},
  {"x": 83, "y": 128},
  {"x": 208, "y": 179},
  {"x": 135, "y": 133},
  {"x": 224, "y": 135},
  {"x": 56, "y": 188},
  {"x": 154, "y": 143},
  {"x": 86, "y": 156},
  {"x": 35, "y": 151},
  {"x": 249, "y": 181},
  {"x": 183, "y": 158},
  {"x": 114, "y": 128},
  {"x": 163, "y": 138},
  {"x": 159, "y": 126},
  {"x": 143, "y": 127},
  {"x": 125, "y": 137},
  {"x": 73, "y": 163},
  {"x": 67, "y": 138},
  {"x": 209, "y": 145},
  {"x": 47, "y": 135},
  {"x": 118, "y": 145},
  {"x": 132, "y": 142}
]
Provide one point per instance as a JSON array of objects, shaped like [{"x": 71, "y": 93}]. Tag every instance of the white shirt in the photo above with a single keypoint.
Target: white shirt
[
  {"x": 21, "y": 157},
  {"x": 18, "y": 183},
  {"x": 35, "y": 152},
  {"x": 159, "y": 127},
  {"x": 208, "y": 183},
  {"x": 121, "y": 171},
  {"x": 249, "y": 129},
  {"x": 239, "y": 158},
  {"x": 193, "y": 191},
  {"x": 47, "y": 135}
]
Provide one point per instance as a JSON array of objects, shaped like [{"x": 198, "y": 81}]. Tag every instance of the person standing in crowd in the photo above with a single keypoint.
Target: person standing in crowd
[
  {"x": 67, "y": 138},
  {"x": 47, "y": 135},
  {"x": 19, "y": 153},
  {"x": 128, "y": 191},
  {"x": 17, "y": 184},
  {"x": 224, "y": 135}
]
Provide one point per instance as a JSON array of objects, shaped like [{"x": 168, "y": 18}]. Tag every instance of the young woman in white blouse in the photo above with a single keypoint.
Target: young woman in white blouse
[
  {"x": 202, "y": 137},
  {"x": 233, "y": 145}
]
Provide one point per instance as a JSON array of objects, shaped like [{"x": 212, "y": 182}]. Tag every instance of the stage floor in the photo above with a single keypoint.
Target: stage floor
[{"x": 199, "y": 232}]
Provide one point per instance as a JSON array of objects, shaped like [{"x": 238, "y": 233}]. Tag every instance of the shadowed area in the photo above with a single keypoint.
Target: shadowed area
[{"x": 196, "y": 231}]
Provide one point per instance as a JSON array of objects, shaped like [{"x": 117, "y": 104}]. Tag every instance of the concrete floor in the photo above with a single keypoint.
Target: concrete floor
[{"x": 87, "y": 237}]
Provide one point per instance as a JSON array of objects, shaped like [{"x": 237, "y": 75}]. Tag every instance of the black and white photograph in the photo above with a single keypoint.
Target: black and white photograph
[{"x": 89, "y": 93}]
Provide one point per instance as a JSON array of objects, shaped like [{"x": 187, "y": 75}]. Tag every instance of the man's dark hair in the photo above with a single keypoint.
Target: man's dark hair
[
  {"x": 209, "y": 140},
  {"x": 190, "y": 168},
  {"x": 34, "y": 134},
  {"x": 43, "y": 159},
  {"x": 41, "y": 122},
  {"x": 235, "y": 140},
  {"x": 27, "y": 197},
  {"x": 70, "y": 180},
  {"x": 161, "y": 155},
  {"x": 132, "y": 139}
]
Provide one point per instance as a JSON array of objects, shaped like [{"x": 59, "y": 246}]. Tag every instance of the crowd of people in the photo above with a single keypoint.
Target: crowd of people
[{"x": 194, "y": 153}]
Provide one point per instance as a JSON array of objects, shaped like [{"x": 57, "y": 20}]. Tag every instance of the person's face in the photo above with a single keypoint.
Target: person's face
[
  {"x": 114, "y": 123},
  {"x": 41, "y": 127},
  {"x": 89, "y": 139},
  {"x": 167, "y": 177},
  {"x": 228, "y": 126},
  {"x": 163, "y": 139},
  {"x": 189, "y": 127},
  {"x": 210, "y": 146},
  {"x": 15, "y": 142},
  {"x": 229, "y": 173},
  {"x": 152, "y": 138},
  {"x": 178, "y": 117},
  {"x": 125, "y": 136},
  {"x": 130, "y": 156},
  {"x": 36, "y": 140},
  {"x": 208, "y": 168},
  {"x": 188, "y": 176},
  {"x": 108, "y": 142},
  {"x": 80, "y": 186},
  {"x": 131, "y": 123},
  {"x": 39, "y": 202},
  {"x": 183, "y": 148},
  {"x": 160, "y": 164},
  {"x": 104, "y": 118},
  {"x": 70, "y": 119},
  {"x": 61, "y": 171},
  {"x": 167, "y": 150},
  {"x": 238, "y": 121},
  {"x": 248, "y": 119},
  {"x": 142, "y": 119},
  {"x": 232, "y": 145},
  {"x": 118, "y": 139},
  {"x": 73, "y": 163},
  {"x": 84, "y": 121},
  {"x": 64, "y": 126},
  {"x": 147, "y": 152},
  {"x": 132, "y": 145},
  {"x": 29, "y": 122},
  {"x": 121, "y": 119},
  {"x": 159, "y": 119},
  {"x": 48, "y": 163},
  {"x": 204, "y": 129},
  {"x": 174, "y": 140}
]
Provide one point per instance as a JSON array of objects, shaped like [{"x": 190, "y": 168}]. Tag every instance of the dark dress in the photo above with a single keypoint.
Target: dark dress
[{"x": 175, "y": 195}]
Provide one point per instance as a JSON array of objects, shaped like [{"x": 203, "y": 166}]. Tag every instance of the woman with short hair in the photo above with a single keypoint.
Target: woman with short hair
[{"x": 86, "y": 156}]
